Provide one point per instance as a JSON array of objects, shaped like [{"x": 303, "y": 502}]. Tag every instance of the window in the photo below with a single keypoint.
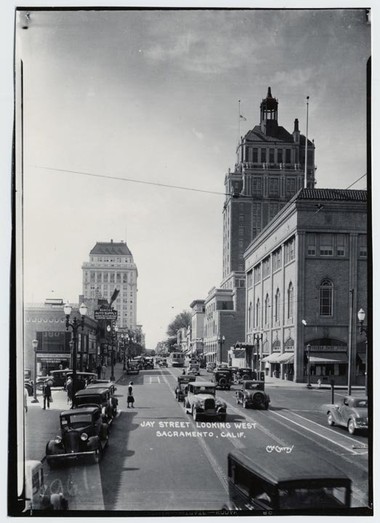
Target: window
[
  {"x": 276, "y": 260},
  {"x": 241, "y": 230},
  {"x": 290, "y": 301},
  {"x": 273, "y": 186},
  {"x": 266, "y": 267},
  {"x": 326, "y": 245},
  {"x": 326, "y": 298},
  {"x": 255, "y": 155},
  {"x": 290, "y": 250},
  {"x": 266, "y": 310},
  {"x": 241, "y": 218},
  {"x": 249, "y": 278},
  {"x": 257, "y": 185},
  {"x": 290, "y": 186},
  {"x": 341, "y": 244},
  {"x": 263, "y": 155},
  {"x": 257, "y": 274},
  {"x": 271, "y": 155},
  {"x": 279, "y": 156},
  {"x": 288, "y": 155},
  {"x": 250, "y": 316},
  {"x": 363, "y": 245},
  {"x": 311, "y": 244},
  {"x": 257, "y": 313},
  {"x": 277, "y": 306}
]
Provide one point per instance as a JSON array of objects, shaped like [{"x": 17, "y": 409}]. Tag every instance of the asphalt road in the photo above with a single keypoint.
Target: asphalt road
[{"x": 159, "y": 459}]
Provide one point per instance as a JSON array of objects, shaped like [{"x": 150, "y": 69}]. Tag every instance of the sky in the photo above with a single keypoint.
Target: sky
[{"x": 116, "y": 98}]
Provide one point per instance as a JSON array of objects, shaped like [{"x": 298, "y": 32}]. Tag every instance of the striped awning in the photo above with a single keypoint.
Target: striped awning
[
  {"x": 272, "y": 358},
  {"x": 286, "y": 357}
]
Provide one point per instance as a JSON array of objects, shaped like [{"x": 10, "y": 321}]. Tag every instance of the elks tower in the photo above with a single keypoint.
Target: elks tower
[{"x": 270, "y": 169}]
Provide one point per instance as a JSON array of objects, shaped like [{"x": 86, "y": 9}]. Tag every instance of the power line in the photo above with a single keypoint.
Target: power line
[{"x": 130, "y": 180}]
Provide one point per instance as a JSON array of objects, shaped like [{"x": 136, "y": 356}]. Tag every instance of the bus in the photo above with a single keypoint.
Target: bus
[{"x": 176, "y": 359}]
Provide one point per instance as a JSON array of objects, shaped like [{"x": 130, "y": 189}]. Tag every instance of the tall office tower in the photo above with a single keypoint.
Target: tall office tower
[
  {"x": 111, "y": 267},
  {"x": 270, "y": 169}
]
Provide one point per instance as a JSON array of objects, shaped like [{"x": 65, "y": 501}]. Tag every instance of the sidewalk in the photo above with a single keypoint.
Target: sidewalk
[
  {"x": 43, "y": 425},
  {"x": 277, "y": 382}
]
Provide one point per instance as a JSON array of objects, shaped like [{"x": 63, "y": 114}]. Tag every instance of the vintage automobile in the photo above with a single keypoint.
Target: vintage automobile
[
  {"x": 252, "y": 394},
  {"x": 200, "y": 401},
  {"x": 243, "y": 373},
  {"x": 210, "y": 366},
  {"x": 148, "y": 363},
  {"x": 133, "y": 367},
  {"x": 29, "y": 386},
  {"x": 83, "y": 433},
  {"x": 270, "y": 481},
  {"x": 103, "y": 383},
  {"x": 100, "y": 397},
  {"x": 350, "y": 412},
  {"x": 194, "y": 369},
  {"x": 222, "y": 377},
  {"x": 181, "y": 388}
]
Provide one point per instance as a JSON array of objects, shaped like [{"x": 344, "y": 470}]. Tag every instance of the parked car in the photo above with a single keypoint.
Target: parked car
[
  {"x": 350, "y": 412},
  {"x": 242, "y": 373},
  {"x": 200, "y": 400},
  {"x": 222, "y": 377},
  {"x": 133, "y": 367},
  {"x": 103, "y": 383},
  {"x": 110, "y": 386},
  {"x": 285, "y": 482},
  {"x": 252, "y": 394},
  {"x": 193, "y": 369},
  {"x": 148, "y": 363},
  {"x": 181, "y": 388},
  {"x": 100, "y": 397},
  {"x": 83, "y": 433},
  {"x": 29, "y": 385}
]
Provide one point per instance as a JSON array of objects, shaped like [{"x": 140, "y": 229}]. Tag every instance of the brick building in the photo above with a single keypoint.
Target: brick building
[{"x": 306, "y": 280}]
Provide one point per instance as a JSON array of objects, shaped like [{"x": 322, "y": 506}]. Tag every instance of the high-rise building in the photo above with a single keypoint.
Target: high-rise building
[
  {"x": 111, "y": 266},
  {"x": 270, "y": 169}
]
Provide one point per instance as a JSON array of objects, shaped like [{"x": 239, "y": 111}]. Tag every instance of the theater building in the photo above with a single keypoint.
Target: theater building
[{"x": 306, "y": 275}]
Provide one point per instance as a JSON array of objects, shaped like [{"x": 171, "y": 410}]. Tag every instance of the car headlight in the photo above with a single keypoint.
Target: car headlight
[
  {"x": 362, "y": 421},
  {"x": 84, "y": 436},
  {"x": 58, "y": 439}
]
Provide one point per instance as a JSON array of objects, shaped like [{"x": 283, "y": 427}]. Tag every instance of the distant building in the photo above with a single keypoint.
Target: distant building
[
  {"x": 46, "y": 323},
  {"x": 306, "y": 278},
  {"x": 197, "y": 327},
  {"x": 111, "y": 266}
]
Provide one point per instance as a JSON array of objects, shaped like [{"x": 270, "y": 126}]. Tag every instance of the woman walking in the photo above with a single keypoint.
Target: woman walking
[{"x": 130, "y": 398}]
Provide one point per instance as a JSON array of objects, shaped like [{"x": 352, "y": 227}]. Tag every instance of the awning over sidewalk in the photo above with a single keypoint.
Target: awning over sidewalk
[
  {"x": 286, "y": 357},
  {"x": 272, "y": 358},
  {"x": 328, "y": 357}
]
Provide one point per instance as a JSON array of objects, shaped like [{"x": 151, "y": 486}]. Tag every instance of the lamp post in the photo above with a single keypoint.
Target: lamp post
[
  {"x": 221, "y": 340},
  {"x": 35, "y": 347},
  {"x": 113, "y": 332},
  {"x": 75, "y": 324},
  {"x": 124, "y": 339},
  {"x": 361, "y": 318},
  {"x": 259, "y": 337},
  {"x": 308, "y": 366}
]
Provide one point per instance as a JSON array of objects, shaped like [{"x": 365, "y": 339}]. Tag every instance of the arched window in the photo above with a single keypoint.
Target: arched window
[
  {"x": 257, "y": 325},
  {"x": 290, "y": 301},
  {"x": 277, "y": 306},
  {"x": 326, "y": 298},
  {"x": 266, "y": 310},
  {"x": 250, "y": 316}
]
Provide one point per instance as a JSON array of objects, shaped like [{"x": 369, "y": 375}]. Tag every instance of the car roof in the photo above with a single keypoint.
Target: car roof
[
  {"x": 80, "y": 410},
  {"x": 203, "y": 383},
  {"x": 87, "y": 391},
  {"x": 283, "y": 468},
  {"x": 98, "y": 385}
]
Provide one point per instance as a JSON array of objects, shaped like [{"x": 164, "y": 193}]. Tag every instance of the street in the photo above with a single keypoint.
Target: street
[{"x": 159, "y": 459}]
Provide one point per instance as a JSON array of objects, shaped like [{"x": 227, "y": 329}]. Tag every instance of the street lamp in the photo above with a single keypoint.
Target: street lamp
[
  {"x": 259, "y": 337},
  {"x": 308, "y": 366},
  {"x": 361, "y": 318},
  {"x": 221, "y": 340},
  {"x": 35, "y": 347},
  {"x": 113, "y": 332},
  {"x": 75, "y": 324}
]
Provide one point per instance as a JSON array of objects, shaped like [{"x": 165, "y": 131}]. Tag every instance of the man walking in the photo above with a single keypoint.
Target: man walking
[{"x": 47, "y": 395}]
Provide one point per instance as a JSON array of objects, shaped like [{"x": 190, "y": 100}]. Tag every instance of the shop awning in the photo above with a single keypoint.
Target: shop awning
[
  {"x": 286, "y": 357},
  {"x": 209, "y": 353},
  {"x": 328, "y": 357},
  {"x": 272, "y": 358}
]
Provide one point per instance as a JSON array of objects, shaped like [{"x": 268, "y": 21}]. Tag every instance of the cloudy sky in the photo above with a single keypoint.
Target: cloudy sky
[{"x": 114, "y": 98}]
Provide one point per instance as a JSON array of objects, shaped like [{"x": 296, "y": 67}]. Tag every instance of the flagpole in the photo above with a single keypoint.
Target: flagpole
[{"x": 307, "y": 132}]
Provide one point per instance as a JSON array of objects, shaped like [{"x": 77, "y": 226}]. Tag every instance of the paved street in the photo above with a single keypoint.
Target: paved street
[{"x": 160, "y": 459}]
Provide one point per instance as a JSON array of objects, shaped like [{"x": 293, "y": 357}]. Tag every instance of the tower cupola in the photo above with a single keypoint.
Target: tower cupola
[{"x": 269, "y": 114}]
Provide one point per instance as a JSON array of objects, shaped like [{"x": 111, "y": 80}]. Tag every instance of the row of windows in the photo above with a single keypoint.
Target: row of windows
[
  {"x": 255, "y": 319},
  {"x": 108, "y": 277},
  {"x": 269, "y": 155},
  {"x": 333, "y": 244},
  {"x": 262, "y": 270},
  {"x": 107, "y": 259}
]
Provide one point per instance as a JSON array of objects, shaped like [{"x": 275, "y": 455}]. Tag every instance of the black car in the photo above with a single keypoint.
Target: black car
[
  {"x": 84, "y": 433},
  {"x": 181, "y": 388},
  {"x": 100, "y": 397},
  {"x": 222, "y": 377},
  {"x": 252, "y": 394}
]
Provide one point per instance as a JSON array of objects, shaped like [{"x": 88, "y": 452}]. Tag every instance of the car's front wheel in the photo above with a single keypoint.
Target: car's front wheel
[
  {"x": 351, "y": 427},
  {"x": 330, "y": 419},
  {"x": 195, "y": 414}
]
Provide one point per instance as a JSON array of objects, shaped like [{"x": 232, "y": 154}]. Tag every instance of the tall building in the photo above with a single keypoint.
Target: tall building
[
  {"x": 307, "y": 278},
  {"x": 111, "y": 266},
  {"x": 270, "y": 169}
]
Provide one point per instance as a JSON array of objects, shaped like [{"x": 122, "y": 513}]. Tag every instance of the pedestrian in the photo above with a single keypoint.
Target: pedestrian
[
  {"x": 25, "y": 399},
  {"x": 99, "y": 371},
  {"x": 130, "y": 398},
  {"x": 47, "y": 395},
  {"x": 104, "y": 369},
  {"x": 69, "y": 389}
]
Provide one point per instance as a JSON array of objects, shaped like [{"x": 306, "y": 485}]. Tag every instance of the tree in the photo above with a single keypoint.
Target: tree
[{"x": 183, "y": 319}]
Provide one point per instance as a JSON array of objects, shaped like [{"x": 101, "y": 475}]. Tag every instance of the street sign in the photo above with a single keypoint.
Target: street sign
[{"x": 105, "y": 314}]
